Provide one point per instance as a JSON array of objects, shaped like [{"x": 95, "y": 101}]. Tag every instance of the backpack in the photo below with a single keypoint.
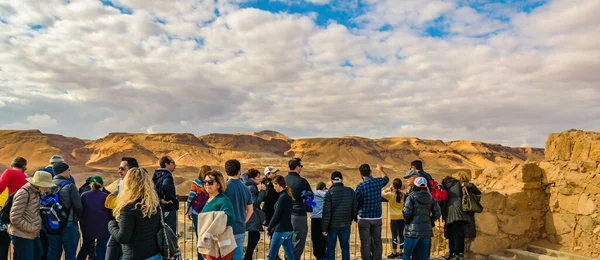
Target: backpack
[
  {"x": 53, "y": 211},
  {"x": 5, "y": 211},
  {"x": 438, "y": 192}
]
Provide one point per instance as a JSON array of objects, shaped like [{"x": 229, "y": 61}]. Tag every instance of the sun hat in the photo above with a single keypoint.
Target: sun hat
[{"x": 41, "y": 179}]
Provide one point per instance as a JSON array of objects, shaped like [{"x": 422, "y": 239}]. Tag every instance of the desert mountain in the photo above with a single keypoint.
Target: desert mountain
[{"x": 35, "y": 146}]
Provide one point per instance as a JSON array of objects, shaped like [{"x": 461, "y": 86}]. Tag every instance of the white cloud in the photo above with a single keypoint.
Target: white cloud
[{"x": 183, "y": 68}]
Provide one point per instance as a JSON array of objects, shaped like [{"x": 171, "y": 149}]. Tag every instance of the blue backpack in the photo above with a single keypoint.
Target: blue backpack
[{"x": 53, "y": 211}]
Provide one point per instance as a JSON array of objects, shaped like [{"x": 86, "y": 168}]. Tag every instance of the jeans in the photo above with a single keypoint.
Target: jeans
[
  {"x": 171, "y": 220},
  {"x": 69, "y": 240},
  {"x": 238, "y": 253},
  {"x": 343, "y": 235},
  {"x": 4, "y": 244},
  {"x": 397, "y": 227},
  {"x": 300, "y": 225},
  {"x": 155, "y": 257},
  {"x": 456, "y": 237},
  {"x": 253, "y": 239},
  {"x": 113, "y": 250},
  {"x": 88, "y": 246},
  {"x": 369, "y": 232},
  {"x": 319, "y": 242},
  {"x": 416, "y": 244},
  {"x": 27, "y": 249},
  {"x": 281, "y": 239},
  {"x": 195, "y": 223}
]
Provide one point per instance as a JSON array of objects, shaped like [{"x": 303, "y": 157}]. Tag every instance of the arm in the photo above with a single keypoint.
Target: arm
[
  {"x": 408, "y": 210},
  {"x": 380, "y": 169},
  {"x": 306, "y": 185},
  {"x": 355, "y": 209},
  {"x": 326, "y": 212},
  {"x": 259, "y": 199},
  {"x": 4, "y": 180},
  {"x": 249, "y": 203},
  {"x": 76, "y": 201},
  {"x": 473, "y": 188},
  {"x": 168, "y": 190},
  {"x": 122, "y": 230},
  {"x": 276, "y": 217},
  {"x": 20, "y": 201},
  {"x": 436, "y": 210}
]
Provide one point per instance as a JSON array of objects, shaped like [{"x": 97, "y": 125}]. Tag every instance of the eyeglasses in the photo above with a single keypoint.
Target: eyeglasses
[
  {"x": 209, "y": 182},
  {"x": 121, "y": 169}
]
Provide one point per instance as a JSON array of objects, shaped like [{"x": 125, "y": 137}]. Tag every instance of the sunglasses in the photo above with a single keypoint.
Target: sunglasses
[
  {"x": 209, "y": 182},
  {"x": 121, "y": 169}
]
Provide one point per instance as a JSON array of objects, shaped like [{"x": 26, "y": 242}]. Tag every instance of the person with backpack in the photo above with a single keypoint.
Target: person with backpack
[
  {"x": 165, "y": 188},
  {"x": 252, "y": 179},
  {"x": 67, "y": 237},
  {"x": 368, "y": 196},
  {"x": 138, "y": 217},
  {"x": 339, "y": 209},
  {"x": 420, "y": 211},
  {"x": 94, "y": 224},
  {"x": 25, "y": 221},
  {"x": 197, "y": 199},
  {"x": 280, "y": 228},
  {"x": 395, "y": 199},
  {"x": 11, "y": 180},
  {"x": 455, "y": 219},
  {"x": 319, "y": 241}
]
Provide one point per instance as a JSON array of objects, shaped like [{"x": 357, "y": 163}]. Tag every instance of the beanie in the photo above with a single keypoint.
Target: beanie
[{"x": 59, "y": 167}]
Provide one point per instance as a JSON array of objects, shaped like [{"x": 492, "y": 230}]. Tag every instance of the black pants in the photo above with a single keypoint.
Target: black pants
[
  {"x": 253, "y": 239},
  {"x": 397, "y": 233},
  {"x": 113, "y": 249},
  {"x": 456, "y": 237},
  {"x": 319, "y": 242},
  {"x": 4, "y": 244}
]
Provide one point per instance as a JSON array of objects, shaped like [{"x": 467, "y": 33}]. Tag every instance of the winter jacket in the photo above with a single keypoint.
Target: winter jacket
[
  {"x": 318, "y": 198},
  {"x": 255, "y": 223},
  {"x": 339, "y": 207},
  {"x": 453, "y": 209},
  {"x": 420, "y": 211},
  {"x": 195, "y": 189},
  {"x": 298, "y": 185},
  {"x": 165, "y": 187},
  {"x": 69, "y": 196},
  {"x": 25, "y": 220},
  {"x": 12, "y": 180},
  {"x": 282, "y": 219},
  {"x": 136, "y": 233},
  {"x": 94, "y": 223},
  {"x": 215, "y": 237},
  {"x": 270, "y": 199}
]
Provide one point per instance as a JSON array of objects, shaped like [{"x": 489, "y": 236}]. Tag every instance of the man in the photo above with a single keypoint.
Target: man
[
  {"x": 165, "y": 188},
  {"x": 69, "y": 196},
  {"x": 368, "y": 196},
  {"x": 272, "y": 195},
  {"x": 242, "y": 204},
  {"x": 11, "y": 180},
  {"x": 420, "y": 210},
  {"x": 417, "y": 165},
  {"x": 299, "y": 220},
  {"x": 113, "y": 248},
  {"x": 410, "y": 177},
  {"x": 54, "y": 159},
  {"x": 339, "y": 209}
]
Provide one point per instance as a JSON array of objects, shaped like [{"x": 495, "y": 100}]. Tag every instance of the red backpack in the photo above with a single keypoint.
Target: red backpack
[{"x": 438, "y": 192}]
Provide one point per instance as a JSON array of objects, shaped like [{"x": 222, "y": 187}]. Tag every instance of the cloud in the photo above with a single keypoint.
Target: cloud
[{"x": 440, "y": 69}]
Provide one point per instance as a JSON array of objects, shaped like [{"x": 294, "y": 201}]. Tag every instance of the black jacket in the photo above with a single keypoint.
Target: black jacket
[
  {"x": 136, "y": 234},
  {"x": 420, "y": 211},
  {"x": 339, "y": 208},
  {"x": 165, "y": 187},
  {"x": 298, "y": 184},
  {"x": 270, "y": 199},
  {"x": 453, "y": 209},
  {"x": 254, "y": 224},
  {"x": 282, "y": 219}
]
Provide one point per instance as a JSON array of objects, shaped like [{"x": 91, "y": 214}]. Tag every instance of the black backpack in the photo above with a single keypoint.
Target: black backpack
[{"x": 5, "y": 211}]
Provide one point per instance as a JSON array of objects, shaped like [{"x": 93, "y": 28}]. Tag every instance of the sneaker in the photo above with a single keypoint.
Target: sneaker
[
  {"x": 453, "y": 257},
  {"x": 461, "y": 256},
  {"x": 394, "y": 255}
]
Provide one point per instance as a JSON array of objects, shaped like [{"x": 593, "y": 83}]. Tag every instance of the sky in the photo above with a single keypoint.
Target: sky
[{"x": 502, "y": 71}]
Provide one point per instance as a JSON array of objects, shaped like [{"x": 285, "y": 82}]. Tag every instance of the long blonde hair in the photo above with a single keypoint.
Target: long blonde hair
[{"x": 137, "y": 188}]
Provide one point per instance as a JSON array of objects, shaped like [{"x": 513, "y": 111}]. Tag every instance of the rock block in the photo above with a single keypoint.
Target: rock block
[
  {"x": 487, "y": 223},
  {"x": 486, "y": 245}
]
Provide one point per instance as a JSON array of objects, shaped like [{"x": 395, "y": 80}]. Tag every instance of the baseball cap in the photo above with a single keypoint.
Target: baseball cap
[
  {"x": 270, "y": 169},
  {"x": 421, "y": 182},
  {"x": 410, "y": 173}
]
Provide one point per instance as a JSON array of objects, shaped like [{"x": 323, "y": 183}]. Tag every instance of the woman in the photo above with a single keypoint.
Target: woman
[
  {"x": 420, "y": 210},
  {"x": 253, "y": 180},
  {"x": 214, "y": 185},
  {"x": 280, "y": 228},
  {"x": 456, "y": 220},
  {"x": 94, "y": 225},
  {"x": 197, "y": 199},
  {"x": 395, "y": 199},
  {"x": 319, "y": 242},
  {"x": 25, "y": 220},
  {"x": 138, "y": 217}
]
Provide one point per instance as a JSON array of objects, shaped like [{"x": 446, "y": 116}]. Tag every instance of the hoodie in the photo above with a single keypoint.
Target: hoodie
[
  {"x": 255, "y": 223},
  {"x": 420, "y": 212},
  {"x": 165, "y": 187}
]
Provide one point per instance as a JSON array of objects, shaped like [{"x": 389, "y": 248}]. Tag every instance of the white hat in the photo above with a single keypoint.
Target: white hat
[
  {"x": 41, "y": 179},
  {"x": 270, "y": 169},
  {"x": 420, "y": 182},
  {"x": 56, "y": 158}
]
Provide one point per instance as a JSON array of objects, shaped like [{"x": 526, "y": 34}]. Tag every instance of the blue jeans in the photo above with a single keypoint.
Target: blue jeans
[
  {"x": 281, "y": 239},
  {"x": 238, "y": 253},
  {"x": 27, "y": 249},
  {"x": 195, "y": 223},
  {"x": 343, "y": 235},
  {"x": 88, "y": 245},
  {"x": 420, "y": 244},
  {"x": 69, "y": 240},
  {"x": 155, "y": 257}
]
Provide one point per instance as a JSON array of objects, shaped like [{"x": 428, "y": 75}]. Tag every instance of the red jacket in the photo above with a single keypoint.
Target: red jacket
[{"x": 13, "y": 180}]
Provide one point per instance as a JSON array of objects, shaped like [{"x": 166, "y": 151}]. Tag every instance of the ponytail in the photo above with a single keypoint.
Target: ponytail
[
  {"x": 280, "y": 180},
  {"x": 398, "y": 196},
  {"x": 289, "y": 193},
  {"x": 95, "y": 186},
  {"x": 397, "y": 184}
]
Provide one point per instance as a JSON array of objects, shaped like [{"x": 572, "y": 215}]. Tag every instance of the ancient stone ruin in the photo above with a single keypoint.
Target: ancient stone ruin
[{"x": 554, "y": 201}]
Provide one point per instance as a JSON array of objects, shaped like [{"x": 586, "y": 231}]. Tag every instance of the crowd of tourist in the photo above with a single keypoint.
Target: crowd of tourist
[{"x": 44, "y": 215}]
